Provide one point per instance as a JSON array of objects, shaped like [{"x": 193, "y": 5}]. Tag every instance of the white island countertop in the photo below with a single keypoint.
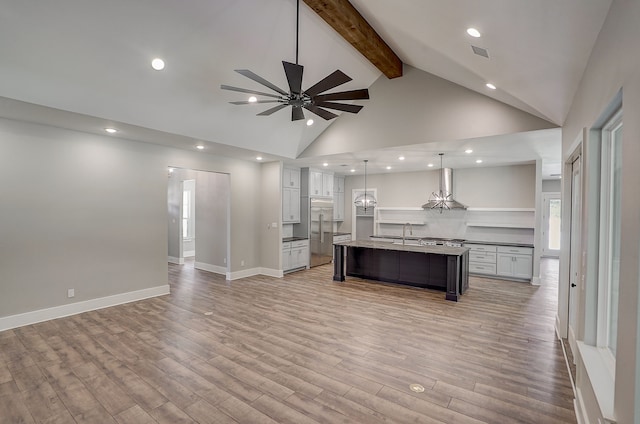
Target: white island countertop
[{"x": 381, "y": 245}]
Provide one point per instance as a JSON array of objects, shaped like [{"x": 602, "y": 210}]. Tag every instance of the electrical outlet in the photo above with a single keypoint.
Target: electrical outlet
[
  {"x": 224, "y": 261},
  {"x": 71, "y": 293},
  {"x": 274, "y": 225},
  {"x": 241, "y": 263}
]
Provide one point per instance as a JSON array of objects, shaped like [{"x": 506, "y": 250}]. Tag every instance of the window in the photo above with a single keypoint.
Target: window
[{"x": 609, "y": 253}]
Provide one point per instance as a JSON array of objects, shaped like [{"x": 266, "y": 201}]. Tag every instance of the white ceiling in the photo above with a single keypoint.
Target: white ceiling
[{"x": 93, "y": 58}]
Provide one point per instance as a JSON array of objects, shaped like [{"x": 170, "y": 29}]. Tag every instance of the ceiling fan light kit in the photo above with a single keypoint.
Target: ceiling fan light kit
[{"x": 311, "y": 99}]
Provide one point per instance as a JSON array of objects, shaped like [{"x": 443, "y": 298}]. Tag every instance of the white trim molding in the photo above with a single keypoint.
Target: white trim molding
[
  {"x": 270, "y": 272},
  {"x": 174, "y": 260},
  {"x": 189, "y": 253},
  {"x": 33, "y": 317},
  {"x": 216, "y": 269}
]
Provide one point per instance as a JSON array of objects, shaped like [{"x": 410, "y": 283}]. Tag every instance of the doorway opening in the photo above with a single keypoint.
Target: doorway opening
[{"x": 199, "y": 219}]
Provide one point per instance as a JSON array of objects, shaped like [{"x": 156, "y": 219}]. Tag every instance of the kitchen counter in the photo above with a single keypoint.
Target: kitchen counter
[
  {"x": 499, "y": 243},
  {"x": 383, "y": 245},
  {"x": 434, "y": 267},
  {"x": 288, "y": 239}
]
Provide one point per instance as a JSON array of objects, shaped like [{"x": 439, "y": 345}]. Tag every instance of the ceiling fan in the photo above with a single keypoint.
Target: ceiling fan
[{"x": 311, "y": 99}]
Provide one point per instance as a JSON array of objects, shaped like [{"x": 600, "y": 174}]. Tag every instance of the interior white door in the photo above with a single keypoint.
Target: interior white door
[
  {"x": 551, "y": 225},
  {"x": 574, "y": 262}
]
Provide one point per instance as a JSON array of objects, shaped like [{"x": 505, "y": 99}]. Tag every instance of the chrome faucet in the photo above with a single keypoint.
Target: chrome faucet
[{"x": 404, "y": 227}]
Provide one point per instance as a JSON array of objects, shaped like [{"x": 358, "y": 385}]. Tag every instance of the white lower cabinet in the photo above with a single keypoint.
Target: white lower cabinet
[
  {"x": 502, "y": 261},
  {"x": 515, "y": 265},
  {"x": 295, "y": 255}
]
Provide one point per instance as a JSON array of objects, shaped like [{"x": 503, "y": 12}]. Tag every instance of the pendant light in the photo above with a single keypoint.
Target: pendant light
[{"x": 365, "y": 200}]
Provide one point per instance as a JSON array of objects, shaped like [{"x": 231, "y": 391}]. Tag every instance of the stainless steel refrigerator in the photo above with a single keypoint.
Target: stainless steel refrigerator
[{"x": 321, "y": 230}]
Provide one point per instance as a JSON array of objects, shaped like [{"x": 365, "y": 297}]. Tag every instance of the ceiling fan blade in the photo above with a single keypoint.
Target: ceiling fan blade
[
  {"x": 340, "y": 106},
  {"x": 244, "y": 90},
  {"x": 247, "y": 73},
  {"x": 321, "y": 112},
  {"x": 272, "y": 110},
  {"x": 362, "y": 94},
  {"x": 333, "y": 80},
  {"x": 294, "y": 76},
  {"x": 297, "y": 113},
  {"x": 257, "y": 101}
]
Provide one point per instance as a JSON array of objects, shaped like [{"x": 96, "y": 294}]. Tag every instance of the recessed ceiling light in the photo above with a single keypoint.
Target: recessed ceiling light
[
  {"x": 111, "y": 130},
  {"x": 473, "y": 32},
  {"x": 468, "y": 151},
  {"x": 401, "y": 158},
  {"x": 171, "y": 170},
  {"x": 430, "y": 165},
  {"x": 258, "y": 157},
  {"x": 200, "y": 147},
  {"x": 309, "y": 122},
  {"x": 479, "y": 161},
  {"x": 252, "y": 99},
  {"x": 353, "y": 170},
  {"x": 157, "y": 64},
  {"x": 388, "y": 167},
  {"x": 325, "y": 164},
  {"x": 491, "y": 86}
]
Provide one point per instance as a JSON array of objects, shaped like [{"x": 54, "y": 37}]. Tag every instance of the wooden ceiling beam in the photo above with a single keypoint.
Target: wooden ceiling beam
[{"x": 350, "y": 24}]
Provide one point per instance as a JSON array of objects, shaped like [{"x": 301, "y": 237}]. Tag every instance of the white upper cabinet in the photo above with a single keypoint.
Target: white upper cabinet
[
  {"x": 327, "y": 184},
  {"x": 314, "y": 182},
  {"x": 338, "y": 184},
  {"x": 291, "y": 178},
  {"x": 290, "y": 195}
]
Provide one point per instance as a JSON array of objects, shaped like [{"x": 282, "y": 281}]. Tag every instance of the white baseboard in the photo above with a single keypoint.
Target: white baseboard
[
  {"x": 27, "y": 318},
  {"x": 189, "y": 253},
  {"x": 579, "y": 408},
  {"x": 174, "y": 260},
  {"x": 277, "y": 273},
  {"x": 217, "y": 269},
  {"x": 243, "y": 273},
  {"x": 535, "y": 281}
]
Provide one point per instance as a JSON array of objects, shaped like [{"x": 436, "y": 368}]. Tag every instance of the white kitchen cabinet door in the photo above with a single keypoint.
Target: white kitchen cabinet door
[
  {"x": 516, "y": 266},
  {"x": 522, "y": 266},
  {"x": 290, "y": 205},
  {"x": 291, "y": 178},
  {"x": 299, "y": 257},
  {"x": 504, "y": 265},
  {"x": 286, "y": 259},
  {"x": 338, "y": 184},
  {"x": 327, "y": 184},
  {"x": 315, "y": 188}
]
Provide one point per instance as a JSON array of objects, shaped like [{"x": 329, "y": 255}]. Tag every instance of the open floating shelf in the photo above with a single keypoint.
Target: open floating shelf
[{"x": 498, "y": 225}]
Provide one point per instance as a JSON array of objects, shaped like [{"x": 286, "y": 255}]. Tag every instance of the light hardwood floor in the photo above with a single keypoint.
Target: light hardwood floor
[{"x": 302, "y": 349}]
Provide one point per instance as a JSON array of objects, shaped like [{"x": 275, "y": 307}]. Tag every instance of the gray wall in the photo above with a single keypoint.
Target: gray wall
[
  {"x": 499, "y": 187},
  {"x": 420, "y": 108},
  {"x": 89, "y": 212},
  {"x": 270, "y": 212},
  {"x": 551, "y": 186},
  {"x": 615, "y": 64}
]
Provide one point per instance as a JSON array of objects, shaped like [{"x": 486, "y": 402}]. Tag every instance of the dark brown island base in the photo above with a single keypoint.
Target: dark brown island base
[{"x": 434, "y": 267}]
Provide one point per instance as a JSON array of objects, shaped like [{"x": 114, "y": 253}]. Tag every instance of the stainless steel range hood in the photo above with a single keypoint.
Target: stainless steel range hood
[{"x": 443, "y": 199}]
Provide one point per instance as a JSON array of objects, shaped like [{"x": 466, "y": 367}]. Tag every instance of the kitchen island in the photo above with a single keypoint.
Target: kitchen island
[{"x": 435, "y": 267}]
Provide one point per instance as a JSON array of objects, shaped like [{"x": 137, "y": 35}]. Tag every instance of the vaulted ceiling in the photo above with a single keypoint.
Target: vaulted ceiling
[{"x": 93, "y": 58}]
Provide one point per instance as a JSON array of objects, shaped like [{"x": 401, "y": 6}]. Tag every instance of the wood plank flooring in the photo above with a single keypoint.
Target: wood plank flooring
[{"x": 302, "y": 349}]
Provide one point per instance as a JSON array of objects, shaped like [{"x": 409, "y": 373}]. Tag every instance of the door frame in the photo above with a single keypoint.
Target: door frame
[{"x": 575, "y": 251}]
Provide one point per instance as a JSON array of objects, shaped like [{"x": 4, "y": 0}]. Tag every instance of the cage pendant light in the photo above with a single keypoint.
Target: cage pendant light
[{"x": 365, "y": 200}]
